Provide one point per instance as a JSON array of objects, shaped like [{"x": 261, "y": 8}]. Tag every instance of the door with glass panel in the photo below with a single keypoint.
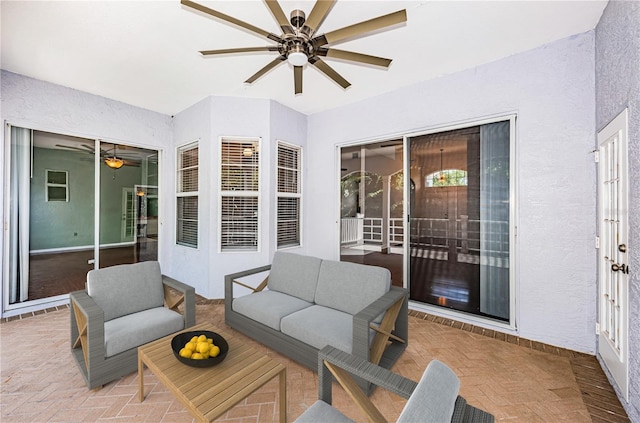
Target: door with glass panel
[
  {"x": 51, "y": 217},
  {"x": 613, "y": 254},
  {"x": 460, "y": 218}
]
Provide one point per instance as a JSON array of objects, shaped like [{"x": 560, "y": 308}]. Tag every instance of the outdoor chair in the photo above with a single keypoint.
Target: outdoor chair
[
  {"x": 122, "y": 308},
  {"x": 434, "y": 399}
]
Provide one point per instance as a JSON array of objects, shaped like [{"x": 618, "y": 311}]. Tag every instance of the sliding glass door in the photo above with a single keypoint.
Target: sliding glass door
[
  {"x": 460, "y": 219},
  {"x": 55, "y": 235}
]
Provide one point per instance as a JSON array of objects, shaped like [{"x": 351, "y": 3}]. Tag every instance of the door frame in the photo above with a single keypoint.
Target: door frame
[{"x": 615, "y": 358}]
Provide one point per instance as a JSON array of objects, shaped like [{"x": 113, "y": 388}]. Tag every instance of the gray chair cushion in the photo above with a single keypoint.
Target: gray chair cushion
[
  {"x": 294, "y": 274},
  {"x": 137, "y": 329},
  {"x": 320, "y": 326},
  {"x": 435, "y": 396},
  {"x": 268, "y": 307},
  {"x": 127, "y": 288},
  {"x": 321, "y": 412},
  {"x": 350, "y": 287}
]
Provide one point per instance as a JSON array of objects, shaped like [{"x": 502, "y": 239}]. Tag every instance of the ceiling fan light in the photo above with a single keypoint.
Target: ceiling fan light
[
  {"x": 297, "y": 58},
  {"x": 114, "y": 162}
]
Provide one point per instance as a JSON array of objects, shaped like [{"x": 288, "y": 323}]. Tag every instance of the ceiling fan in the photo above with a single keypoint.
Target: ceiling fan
[
  {"x": 113, "y": 161},
  {"x": 299, "y": 43}
]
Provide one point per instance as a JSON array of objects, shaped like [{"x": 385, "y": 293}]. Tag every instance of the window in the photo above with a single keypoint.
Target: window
[
  {"x": 239, "y": 194},
  {"x": 447, "y": 178},
  {"x": 57, "y": 185},
  {"x": 289, "y": 195},
  {"x": 187, "y": 196}
]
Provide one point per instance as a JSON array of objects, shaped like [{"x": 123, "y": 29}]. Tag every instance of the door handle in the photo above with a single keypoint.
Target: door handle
[{"x": 620, "y": 267}]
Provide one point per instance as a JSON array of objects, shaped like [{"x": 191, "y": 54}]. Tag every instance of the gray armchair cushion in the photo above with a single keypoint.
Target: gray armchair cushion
[
  {"x": 319, "y": 326},
  {"x": 294, "y": 274},
  {"x": 350, "y": 287},
  {"x": 125, "y": 289},
  {"x": 268, "y": 307},
  {"x": 434, "y": 397},
  {"x": 320, "y": 411},
  {"x": 130, "y": 331}
]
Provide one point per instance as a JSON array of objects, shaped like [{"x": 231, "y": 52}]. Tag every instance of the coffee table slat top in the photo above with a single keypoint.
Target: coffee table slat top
[{"x": 209, "y": 392}]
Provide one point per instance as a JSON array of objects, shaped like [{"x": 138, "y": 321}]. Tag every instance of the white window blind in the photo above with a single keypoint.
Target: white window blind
[
  {"x": 289, "y": 195},
  {"x": 239, "y": 194},
  {"x": 187, "y": 196}
]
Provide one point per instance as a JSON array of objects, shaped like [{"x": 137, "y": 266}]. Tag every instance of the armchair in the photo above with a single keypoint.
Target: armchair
[
  {"x": 435, "y": 398},
  {"x": 122, "y": 308}
]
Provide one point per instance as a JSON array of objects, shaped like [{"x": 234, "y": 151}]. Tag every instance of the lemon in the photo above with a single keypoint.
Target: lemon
[
  {"x": 194, "y": 339},
  {"x": 191, "y": 346},
  {"x": 185, "y": 353},
  {"x": 203, "y": 347},
  {"x": 197, "y": 356},
  {"x": 202, "y": 338},
  {"x": 209, "y": 340},
  {"x": 214, "y": 351},
  {"x": 205, "y": 355}
]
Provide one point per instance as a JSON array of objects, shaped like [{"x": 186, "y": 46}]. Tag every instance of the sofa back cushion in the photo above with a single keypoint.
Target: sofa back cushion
[
  {"x": 127, "y": 288},
  {"x": 350, "y": 287},
  {"x": 294, "y": 274}
]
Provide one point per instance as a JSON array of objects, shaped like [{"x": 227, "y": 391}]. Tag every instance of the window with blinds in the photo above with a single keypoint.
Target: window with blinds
[
  {"x": 187, "y": 196},
  {"x": 289, "y": 195},
  {"x": 239, "y": 194}
]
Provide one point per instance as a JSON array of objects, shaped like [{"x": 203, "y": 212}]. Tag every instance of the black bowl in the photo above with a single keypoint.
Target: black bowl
[{"x": 178, "y": 342}]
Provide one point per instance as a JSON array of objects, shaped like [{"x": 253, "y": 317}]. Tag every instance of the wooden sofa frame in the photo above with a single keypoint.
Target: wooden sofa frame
[
  {"x": 87, "y": 333},
  {"x": 390, "y": 341}
]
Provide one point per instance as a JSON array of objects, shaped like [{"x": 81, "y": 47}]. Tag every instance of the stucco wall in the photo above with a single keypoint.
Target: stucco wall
[
  {"x": 618, "y": 86},
  {"x": 551, "y": 89}
]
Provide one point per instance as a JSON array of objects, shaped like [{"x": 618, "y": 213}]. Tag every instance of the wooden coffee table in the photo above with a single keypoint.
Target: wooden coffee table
[{"x": 207, "y": 393}]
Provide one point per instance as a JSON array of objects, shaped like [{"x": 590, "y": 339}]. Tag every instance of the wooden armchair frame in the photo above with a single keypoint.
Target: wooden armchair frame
[{"x": 87, "y": 333}]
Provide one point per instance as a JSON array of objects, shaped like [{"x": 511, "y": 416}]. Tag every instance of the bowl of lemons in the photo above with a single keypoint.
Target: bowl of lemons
[{"x": 201, "y": 348}]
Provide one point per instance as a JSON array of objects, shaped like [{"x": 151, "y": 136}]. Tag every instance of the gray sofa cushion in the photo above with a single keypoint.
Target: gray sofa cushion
[
  {"x": 294, "y": 274},
  {"x": 350, "y": 287},
  {"x": 320, "y": 326},
  {"x": 131, "y": 331},
  {"x": 435, "y": 396},
  {"x": 125, "y": 289},
  {"x": 268, "y": 307}
]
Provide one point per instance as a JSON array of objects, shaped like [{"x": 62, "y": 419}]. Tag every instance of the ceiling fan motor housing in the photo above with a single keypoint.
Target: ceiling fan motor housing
[{"x": 298, "y": 18}]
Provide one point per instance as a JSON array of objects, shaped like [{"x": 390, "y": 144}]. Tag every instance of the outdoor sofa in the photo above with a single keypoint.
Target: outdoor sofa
[{"x": 306, "y": 303}]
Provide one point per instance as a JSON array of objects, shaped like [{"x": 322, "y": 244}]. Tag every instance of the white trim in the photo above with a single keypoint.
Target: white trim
[{"x": 185, "y": 194}]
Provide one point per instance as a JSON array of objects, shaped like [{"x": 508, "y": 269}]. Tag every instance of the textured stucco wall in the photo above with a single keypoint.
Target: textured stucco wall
[
  {"x": 617, "y": 87},
  {"x": 552, "y": 90}
]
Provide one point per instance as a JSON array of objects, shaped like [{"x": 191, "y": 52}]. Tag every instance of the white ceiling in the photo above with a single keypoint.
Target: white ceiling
[{"x": 145, "y": 53}]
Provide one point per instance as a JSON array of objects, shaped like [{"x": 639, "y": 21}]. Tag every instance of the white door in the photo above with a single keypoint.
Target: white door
[{"x": 613, "y": 257}]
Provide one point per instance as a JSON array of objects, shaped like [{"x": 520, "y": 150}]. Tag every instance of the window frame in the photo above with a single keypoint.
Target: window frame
[
  {"x": 297, "y": 195},
  {"x": 224, "y": 194},
  {"x": 180, "y": 193},
  {"x": 55, "y": 185}
]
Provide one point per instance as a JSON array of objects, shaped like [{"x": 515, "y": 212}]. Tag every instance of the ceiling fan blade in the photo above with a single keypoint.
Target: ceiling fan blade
[
  {"x": 237, "y": 50},
  {"x": 231, "y": 20},
  {"x": 279, "y": 15},
  {"x": 297, "y": 79},
  {"x": 70, "y": 147},
  {"x": 317, "y": 16},
  {"x": 354, "y": 57},
  {"x": 362, "y": 28},
  {"x": 275, "y": 62},
  {"x": 328, "y": 70}
]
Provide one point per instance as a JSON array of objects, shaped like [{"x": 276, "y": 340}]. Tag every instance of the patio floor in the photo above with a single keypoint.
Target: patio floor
[{"x": 514, "y": 379}]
